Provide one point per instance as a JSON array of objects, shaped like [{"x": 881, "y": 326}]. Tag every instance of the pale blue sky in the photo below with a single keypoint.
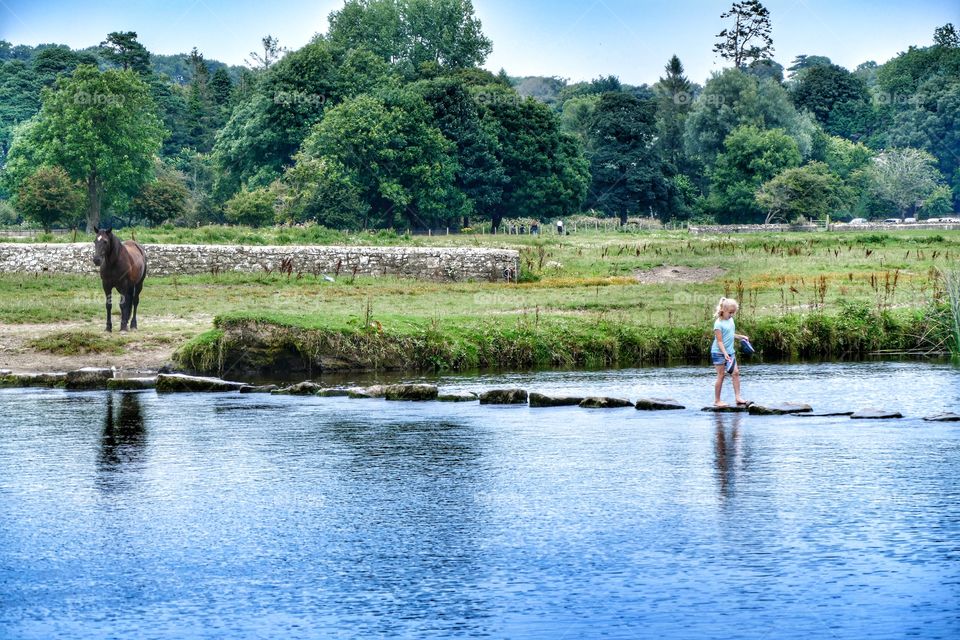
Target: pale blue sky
[{"x": 578, "y": 40}]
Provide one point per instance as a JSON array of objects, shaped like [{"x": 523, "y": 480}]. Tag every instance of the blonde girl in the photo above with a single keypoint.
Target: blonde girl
[{"x": 721, "y": 351}]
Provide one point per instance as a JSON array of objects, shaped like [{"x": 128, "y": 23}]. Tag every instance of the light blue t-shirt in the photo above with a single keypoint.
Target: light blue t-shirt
[{"x": 727, "y": 331}]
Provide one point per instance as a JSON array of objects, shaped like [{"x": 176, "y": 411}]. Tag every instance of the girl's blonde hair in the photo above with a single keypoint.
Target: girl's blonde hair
[{"x": 725, "y": 303}]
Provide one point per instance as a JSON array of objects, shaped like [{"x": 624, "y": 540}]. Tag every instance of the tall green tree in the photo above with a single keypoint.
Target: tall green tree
[
  {"x": 731, "y": 99},
  {"x": 390, "y": 148},
  {"x": 272, "y": 52},
  {"x": 674, "y": 99},
  {"x": 412, "y": 33},
  {"x": 479, "y": 175},
  {"x": 751, "y": 156},
  {"x": 823, "y": 87},
  {"x": 102, "y": 128},
  {"x": 122, "y": 49},
  {"x": 625, "y": 164},
  {"x": 905, "y": 178},
  {"x": 748, "y": 38},
  {"x": 946, "y": 36},
  {"x": 548, "y": 175}
]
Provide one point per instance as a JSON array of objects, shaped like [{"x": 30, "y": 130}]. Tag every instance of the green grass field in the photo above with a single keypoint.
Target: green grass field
[{"x": 577, "y": 285}]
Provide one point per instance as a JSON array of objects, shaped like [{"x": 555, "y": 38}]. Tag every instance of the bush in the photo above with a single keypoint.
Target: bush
[
  {"x": 254, "y": 208},
  {"x": 8, "y": 215}
]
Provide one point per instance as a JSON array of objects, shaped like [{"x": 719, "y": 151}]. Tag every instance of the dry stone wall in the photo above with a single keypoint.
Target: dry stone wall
[{"x": 425, "y": 263}]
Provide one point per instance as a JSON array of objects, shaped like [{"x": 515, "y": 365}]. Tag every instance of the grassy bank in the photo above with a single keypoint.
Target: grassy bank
[
  {"x": 592, "y": 299},
  {"x": 260, "y": 344}
]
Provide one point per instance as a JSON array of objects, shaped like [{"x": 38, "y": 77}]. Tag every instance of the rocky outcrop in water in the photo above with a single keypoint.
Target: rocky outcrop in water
[
  {"x": 604, "y": 403},
  {"x": 132, "y": 384},
  {"x": 876, "y": 414},
  {"x": 725, "y": 409},
  {"x": 88, "y": 378},
  {"x": 658, "y": 404},
  {"x": 504, "y": 396},
  {"x": 411, "y": 392},
  {"x": 780, "y": 409},
  {"x": 57, "y": 379},
  {"x": 457, "y": 396},
  {"x": 546, "y": 400},
  {"x": 305, "y": 388},
  {"x": 178, "y": 382},
  {"x": 943, "y": 417}
]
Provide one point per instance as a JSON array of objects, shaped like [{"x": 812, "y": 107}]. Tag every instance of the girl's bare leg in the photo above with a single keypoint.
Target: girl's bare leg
[
  {"x": 718, "y": 386},
  {"x": 736, "y": 385}
]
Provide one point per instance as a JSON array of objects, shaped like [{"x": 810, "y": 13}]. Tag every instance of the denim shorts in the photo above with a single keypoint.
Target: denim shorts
[{"x": 717, "y": 358}]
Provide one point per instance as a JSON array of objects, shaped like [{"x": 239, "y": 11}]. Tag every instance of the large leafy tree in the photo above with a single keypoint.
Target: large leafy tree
[
  {"x": 748, "y": 38},
  {"x": 480, "y": 175},
  {"x": 625, "y": 163},
  {"x": 731, "y": 99},
  {"x": 49, "y": 196},
  {"x": 904, "y": 177},
  {"x": 548, "y": 174},
  {"x": 390, "y": 149},
  {"x": 266, "y": 130},
  {"x": 810, "y": 192},
  {"x": 413, "y": 33},
  {"x": 101, "y": 127},
  {"x": 751, "y": 156},
  {"x": 823, "y": 87}
]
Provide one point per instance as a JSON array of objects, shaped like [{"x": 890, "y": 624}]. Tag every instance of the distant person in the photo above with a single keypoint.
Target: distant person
[
  {"x": 560, "y": 227},
  {"x": 721, "y": 351}
]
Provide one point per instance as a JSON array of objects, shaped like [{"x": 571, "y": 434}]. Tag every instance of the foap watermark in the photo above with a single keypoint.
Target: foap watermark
[
  {"x": 299, "y": 98},
  {"x": 684, "y": 98},
  {"x": 98, "y": 99}
]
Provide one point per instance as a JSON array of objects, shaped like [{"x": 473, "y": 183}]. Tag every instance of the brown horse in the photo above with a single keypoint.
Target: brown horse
[{"x": 123, "y": 266}]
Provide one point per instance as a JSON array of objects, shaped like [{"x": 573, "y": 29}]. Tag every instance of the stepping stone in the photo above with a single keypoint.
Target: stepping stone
[
  {"x": 88, "y": 378},
  {"x": 334, "y": 393},
  {"x": 34, "y": 379},
  {"x": 457, "y": 396},
  {"x": 374, "y": 391},
  {"x": 728, "y": 409},
  {"x": 178, "y": 383},
  {"x": 411, "y": 392},
  {"x": 132, "y": 384},
  {"x": 306, "y": 388},
  {"x": 875, "y": 414},
  {"x": 605, "y": 403},
  {"x": 544, "y": 400},
  {"x": 658, "y": 404},
  {"x": 943, "y": 417},
  {"x": 264, "y": 388},
  {"x": 834, "y": 414},
  {"x": 504, "y": 396},
  {"x": 781, "y": 409}
]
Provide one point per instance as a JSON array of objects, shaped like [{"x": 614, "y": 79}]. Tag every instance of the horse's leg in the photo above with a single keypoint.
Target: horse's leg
[
  {"x": 137, "y": 288},
  {"x": 126, "y": 301},
  {"x": 108, "y": 292}
]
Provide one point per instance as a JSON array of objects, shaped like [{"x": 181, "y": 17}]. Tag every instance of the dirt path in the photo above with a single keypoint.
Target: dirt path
[{"x": 145, "y": 350}]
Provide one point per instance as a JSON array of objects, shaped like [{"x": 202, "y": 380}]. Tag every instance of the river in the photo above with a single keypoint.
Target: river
[{"x": 137, "y": 515}]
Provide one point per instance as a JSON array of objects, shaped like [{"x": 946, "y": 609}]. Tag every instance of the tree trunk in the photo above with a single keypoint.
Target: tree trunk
[{"x": 94, "y": 200}]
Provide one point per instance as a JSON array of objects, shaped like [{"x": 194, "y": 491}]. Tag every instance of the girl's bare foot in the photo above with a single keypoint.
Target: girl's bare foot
[{"x": 720, "y": 404}]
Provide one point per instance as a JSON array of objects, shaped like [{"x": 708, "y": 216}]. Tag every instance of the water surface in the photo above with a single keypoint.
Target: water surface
[{"x": 132, "y": 515}]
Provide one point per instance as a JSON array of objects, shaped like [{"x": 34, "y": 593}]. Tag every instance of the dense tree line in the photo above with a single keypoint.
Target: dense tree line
[{"x": 389, "y": 121}]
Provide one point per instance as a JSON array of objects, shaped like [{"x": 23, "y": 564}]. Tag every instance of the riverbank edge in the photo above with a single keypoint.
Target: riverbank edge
[{"x": 260, "y": 345}]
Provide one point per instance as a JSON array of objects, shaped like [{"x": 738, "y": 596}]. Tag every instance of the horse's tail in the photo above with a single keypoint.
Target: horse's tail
[{"x": 143, "y": 252}]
